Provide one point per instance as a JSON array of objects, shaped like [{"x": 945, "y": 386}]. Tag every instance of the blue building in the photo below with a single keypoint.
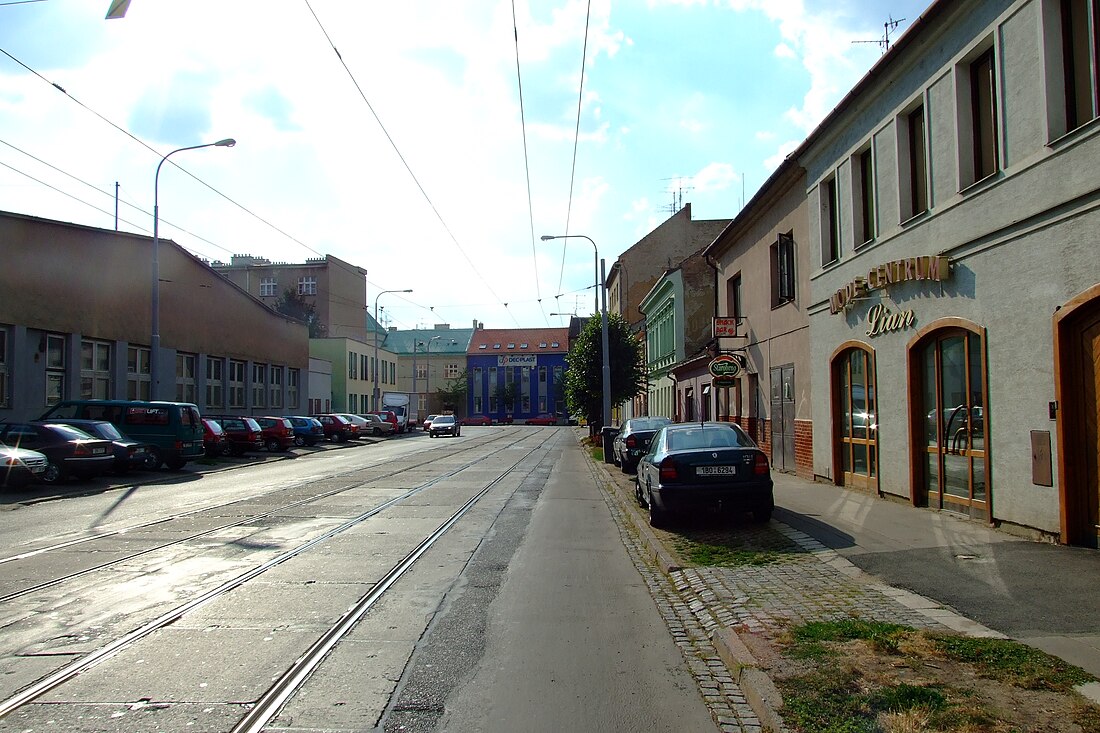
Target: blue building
[{"x": 517, "y": 373}]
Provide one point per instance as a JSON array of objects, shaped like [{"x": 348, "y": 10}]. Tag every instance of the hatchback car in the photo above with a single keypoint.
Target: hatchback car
[
  {"x": 244, "y": 433},
  {"x": 428, "y": 422},
  {"x": 307, "y": 431},
  {"x": 445, "y": 425},
  {"x": 704, "y": 466},
  {"x": 278, "y": 433},
  {"x": 19, "y": 466},
  {"x": 214, "y": 440},
  {"x": 129, "y": 454},
  {"x": 632, "y": 441},
  {"x": 336, "y": 428},
  {"x": 69, "y": 451}
]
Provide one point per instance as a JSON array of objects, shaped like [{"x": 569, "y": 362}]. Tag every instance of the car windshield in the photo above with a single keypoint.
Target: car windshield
[
  {"x": 71, "y": 433},
  {"x": 655, "y": 423},
  {"x": 251, "y": 423},
  {"x": 705, "y": 437},
  {"x": 444, "y": 420},
  {"x": 104, "y": 430}
]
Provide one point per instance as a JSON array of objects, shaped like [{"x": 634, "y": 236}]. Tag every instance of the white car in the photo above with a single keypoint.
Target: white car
[{"x": 428, "y": 422}]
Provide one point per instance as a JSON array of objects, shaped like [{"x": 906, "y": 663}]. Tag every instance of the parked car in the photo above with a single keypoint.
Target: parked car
[
  {"x": 307, "y": 430},
  {"x": 362, "y": 425},
  {"x": 336, "y": 428},
  {"x": 632, "y": 440},
  {"x": 69, "y": 451},
  {"x": 389, "y": 416},
  {"x": 428, "y": 422},
  {"x": 544, "y": 418},
  {"x": 129, "y": 453},
  {"x": 173, "y": 430},
  {"x": 445, "y": 425},
  {"x": 244, "y": 433},
  {"x": 698, "y": 466},
  {"x": 20, "y": 466},
  {"x": 278, "y": 433},
  {"x": 476, "y": 420},
  {"x": 214, "y": 440},
  {"x": 376, "y": 426}
]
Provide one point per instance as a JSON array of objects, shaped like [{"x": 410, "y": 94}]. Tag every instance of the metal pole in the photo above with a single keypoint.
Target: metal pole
[
  {"x": 378, "y": 325},
  {"x": 154, "y": 337},
  {"x": 606, "y": 354}
]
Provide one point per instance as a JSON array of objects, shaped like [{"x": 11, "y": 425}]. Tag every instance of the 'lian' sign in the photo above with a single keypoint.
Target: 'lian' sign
[
  {"x": 881, "y": 319},
  {"x": 911, "y": 268}
]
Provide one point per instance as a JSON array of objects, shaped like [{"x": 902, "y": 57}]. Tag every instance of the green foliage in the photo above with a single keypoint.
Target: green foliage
[
  {"x": 452, "y": 394},
  {"x": 883, "y": 636},
  {"x": 720, "y": 556},
  {"x": 1013, "y": 662},
  {"x": 507, "y": 394},
  {"x": 584, "y": 372},
  {"x": 296, "y": 306}
]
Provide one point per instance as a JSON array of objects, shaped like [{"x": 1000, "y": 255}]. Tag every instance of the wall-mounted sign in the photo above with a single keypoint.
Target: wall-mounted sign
[
  {"x": 881, "y": 319},
  {"x": 725, "y": 326},
  {"x": 726, "y": 368},
  {"x": 516, "y": 360},
  {"x": 882, "y": 276}
]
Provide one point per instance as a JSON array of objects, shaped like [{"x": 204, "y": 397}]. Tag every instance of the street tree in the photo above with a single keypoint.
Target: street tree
[
  {"x": 290, "y": 303},
  {"x": 584, "y": 372},
  {"x": 453, "y": 393}
]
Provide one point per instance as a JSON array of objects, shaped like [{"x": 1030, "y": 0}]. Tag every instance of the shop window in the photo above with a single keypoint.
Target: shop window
[{"x": 856, "y": 418}]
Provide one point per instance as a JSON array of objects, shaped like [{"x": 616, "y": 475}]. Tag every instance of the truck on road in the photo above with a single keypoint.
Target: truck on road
[{"x": 399, "y": 403}]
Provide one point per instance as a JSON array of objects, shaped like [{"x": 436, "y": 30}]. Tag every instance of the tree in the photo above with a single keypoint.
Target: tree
[
  {"x": 290, "y": 303},
  {"x": 453, "y": 393},
  {"x": 584, "y": 372},
  {"x": 507, "y": 394}
]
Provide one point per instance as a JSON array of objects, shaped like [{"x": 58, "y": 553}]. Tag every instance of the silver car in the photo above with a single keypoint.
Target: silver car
[{"x": 19, "y": 466}]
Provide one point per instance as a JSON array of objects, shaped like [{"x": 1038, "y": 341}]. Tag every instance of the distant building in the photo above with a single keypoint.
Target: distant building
[
  {"x": 428, "y": 360},
  {"x": 517, "y": 373}
]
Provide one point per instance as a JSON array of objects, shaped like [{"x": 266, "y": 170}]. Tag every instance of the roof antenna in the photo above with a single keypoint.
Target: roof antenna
[{"x": 889, "y": 25}]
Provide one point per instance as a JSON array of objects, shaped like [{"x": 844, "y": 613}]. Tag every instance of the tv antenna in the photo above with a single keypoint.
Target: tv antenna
[
  {"x": 889, "y": 25},
  {"x": 677, "y": 194}
]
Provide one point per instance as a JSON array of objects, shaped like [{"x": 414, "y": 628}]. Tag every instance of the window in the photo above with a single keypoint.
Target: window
[
  {"x": 865, "y": 203},
  {"x": 511, "y": 346},
  {"x": 259, "y": 384},
  {"x": 496, "y": 346},
  {"x": 525, "y": 388},
  {"x": 276, "y": 387},
  {"x": 1079, "y": 60},
  {"x": 267, "y": 287},
  {"x": 913, "y": 159},
  {"x": 557, "y": 375},
  {"x": 353, "y": 403},
  {"x": 137, "y": 373},
  {"x": 734, "y": 306},
  {"x": 830, "y": 221},
  {"x": 236, "y": 383},
  {"x": 55, "y": 369},
  {"x": 782, "y": 256},
  {"x": 983, "y": 160},
  {"x": 95, "y": 370},
  {"x": 554, "y": 345},
  {"x": 523, "y": 346},
  {"x": 483, "y": 346},
  {"x": 307, "y": 285},
  {"x": 186, "y": 388},
  {"x": 4, "y": 379},
  {"x": 393, "y": 372},
  {"x": 450, "y": 371},
  {"x": 421, "y": 371},
  {"x": 352, "y": 362},
  {"x": 215, "y": 382},
  {"x": 293, "y": 376},
  {"x": 542, "y": 377},
  {"x": 364, "y": 366}
]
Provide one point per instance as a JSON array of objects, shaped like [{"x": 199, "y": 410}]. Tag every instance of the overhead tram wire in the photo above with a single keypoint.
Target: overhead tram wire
[
  {"x": 527, "y": 166},
  {"x": 576, "y": 139},
  {"x": 404, "y": 162}
]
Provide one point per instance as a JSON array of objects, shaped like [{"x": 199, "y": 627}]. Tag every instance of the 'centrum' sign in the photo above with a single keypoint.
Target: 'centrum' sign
[{"x": 911, "y": 268}]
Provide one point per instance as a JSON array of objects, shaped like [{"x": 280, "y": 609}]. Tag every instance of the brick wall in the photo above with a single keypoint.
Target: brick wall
[{"x": 804, "y": 448}]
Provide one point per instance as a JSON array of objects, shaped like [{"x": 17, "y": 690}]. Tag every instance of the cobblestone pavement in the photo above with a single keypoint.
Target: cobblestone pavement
[{"x": 802, "y": 581}]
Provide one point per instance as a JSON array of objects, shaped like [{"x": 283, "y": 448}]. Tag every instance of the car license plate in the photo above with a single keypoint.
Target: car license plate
[
  {"x": 716, "y": 470},
  {"x": 38, "y": 469},
  {"x": 98, "y": 451}
]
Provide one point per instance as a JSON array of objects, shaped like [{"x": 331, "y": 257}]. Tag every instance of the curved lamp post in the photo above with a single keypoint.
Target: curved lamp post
[
  {"x": 603, "y": 322},
  {"x": 154, "y": 339},
  {"x": 377, "y": 326}
]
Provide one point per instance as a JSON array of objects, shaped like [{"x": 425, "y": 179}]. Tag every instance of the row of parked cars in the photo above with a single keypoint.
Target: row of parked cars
[{"x": 86, "y": 438}]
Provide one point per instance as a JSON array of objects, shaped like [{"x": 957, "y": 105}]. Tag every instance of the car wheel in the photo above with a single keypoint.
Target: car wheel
[
  {"x": 176, "y": 464},
  {"x": 341, "y": 437},
  {"x": 272, "y": 445},
  {"x": 762, "y": 515},
  {"x": 299, "y": 441},
  {"x": 53, "y": 473},
  {"x": 638, "y": 493},
  {"x": 658, "y": 517},
  {"x": 153, "y": 459}
]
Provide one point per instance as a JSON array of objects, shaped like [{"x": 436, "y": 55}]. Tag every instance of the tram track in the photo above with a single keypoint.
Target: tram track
[{"x": 268, "y": 705}]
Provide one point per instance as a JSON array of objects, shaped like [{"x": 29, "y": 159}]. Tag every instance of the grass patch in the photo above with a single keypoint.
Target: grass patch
[
  {"x": 1012, "y": 662},
  {"x": 884, "y": 637},
  {"x": 717, "y": 555}
]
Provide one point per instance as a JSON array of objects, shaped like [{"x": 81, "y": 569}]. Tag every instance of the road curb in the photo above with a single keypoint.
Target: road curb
[{"x": 759, "y": 690}]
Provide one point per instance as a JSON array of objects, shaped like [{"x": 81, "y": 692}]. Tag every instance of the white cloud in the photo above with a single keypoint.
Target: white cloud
[{"x": 714, "y": 177}]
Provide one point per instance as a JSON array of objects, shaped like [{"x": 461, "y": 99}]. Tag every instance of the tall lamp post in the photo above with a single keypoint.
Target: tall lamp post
[
  {"x": 377, "y": 326},
  {"x": 603, "y": 322},
  {"x": 154, "y": 339}
]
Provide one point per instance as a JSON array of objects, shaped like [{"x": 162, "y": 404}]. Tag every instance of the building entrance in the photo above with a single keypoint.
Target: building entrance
[{"x": 856, "y": 419}]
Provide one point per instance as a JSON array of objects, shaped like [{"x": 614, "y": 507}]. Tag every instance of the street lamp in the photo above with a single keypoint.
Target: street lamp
[
  {"x": 377, "y": 326},
  {"x": 154, "y": 339},
  {"x": 603, "y": 323},
  {"x": 428, "y": 371}
]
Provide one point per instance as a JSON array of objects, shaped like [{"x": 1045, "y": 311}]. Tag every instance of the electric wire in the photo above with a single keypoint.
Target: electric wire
[
  {"x": 404, "y": 162},
  {"x": 576, "y": 139}
]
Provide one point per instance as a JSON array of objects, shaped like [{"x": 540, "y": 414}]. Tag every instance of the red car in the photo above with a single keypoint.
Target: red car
[
  {"x": 476, "y": 420},
  {"x": 337, "y": 428},
  {"x": 278, "y": 433},
  {"x": 244, "y": 433},
  {"x": 214, "y": 440},
  {"x": 543, "y": 419}
]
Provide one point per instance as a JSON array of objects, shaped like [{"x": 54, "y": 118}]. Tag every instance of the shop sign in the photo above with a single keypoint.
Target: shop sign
[
  {"x": 881, "y": 319},
  {"x": 890, "y": 273},
  {"x": 725, "y": 327},
  {"x": 726, "y": 368},
  {"x": 516, "y": 360}
]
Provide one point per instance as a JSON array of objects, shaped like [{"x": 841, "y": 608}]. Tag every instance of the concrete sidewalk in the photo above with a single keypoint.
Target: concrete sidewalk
[{"x": 846, "y": 553}]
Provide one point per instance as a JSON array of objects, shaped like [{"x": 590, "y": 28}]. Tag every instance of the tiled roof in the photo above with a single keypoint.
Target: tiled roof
[{"x": 519, "y": 341}]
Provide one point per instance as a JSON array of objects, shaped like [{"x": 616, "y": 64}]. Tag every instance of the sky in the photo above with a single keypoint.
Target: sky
[{"x": 430, "y": 142}]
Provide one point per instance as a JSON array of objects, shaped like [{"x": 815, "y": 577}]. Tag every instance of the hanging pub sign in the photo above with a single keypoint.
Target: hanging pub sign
[
  {"x": 726, "y": 368},
  {"x": 725, "y": 327}
]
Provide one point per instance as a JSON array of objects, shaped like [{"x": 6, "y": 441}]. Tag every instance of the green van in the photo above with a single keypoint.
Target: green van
[{"x": 173, "y": 430}]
